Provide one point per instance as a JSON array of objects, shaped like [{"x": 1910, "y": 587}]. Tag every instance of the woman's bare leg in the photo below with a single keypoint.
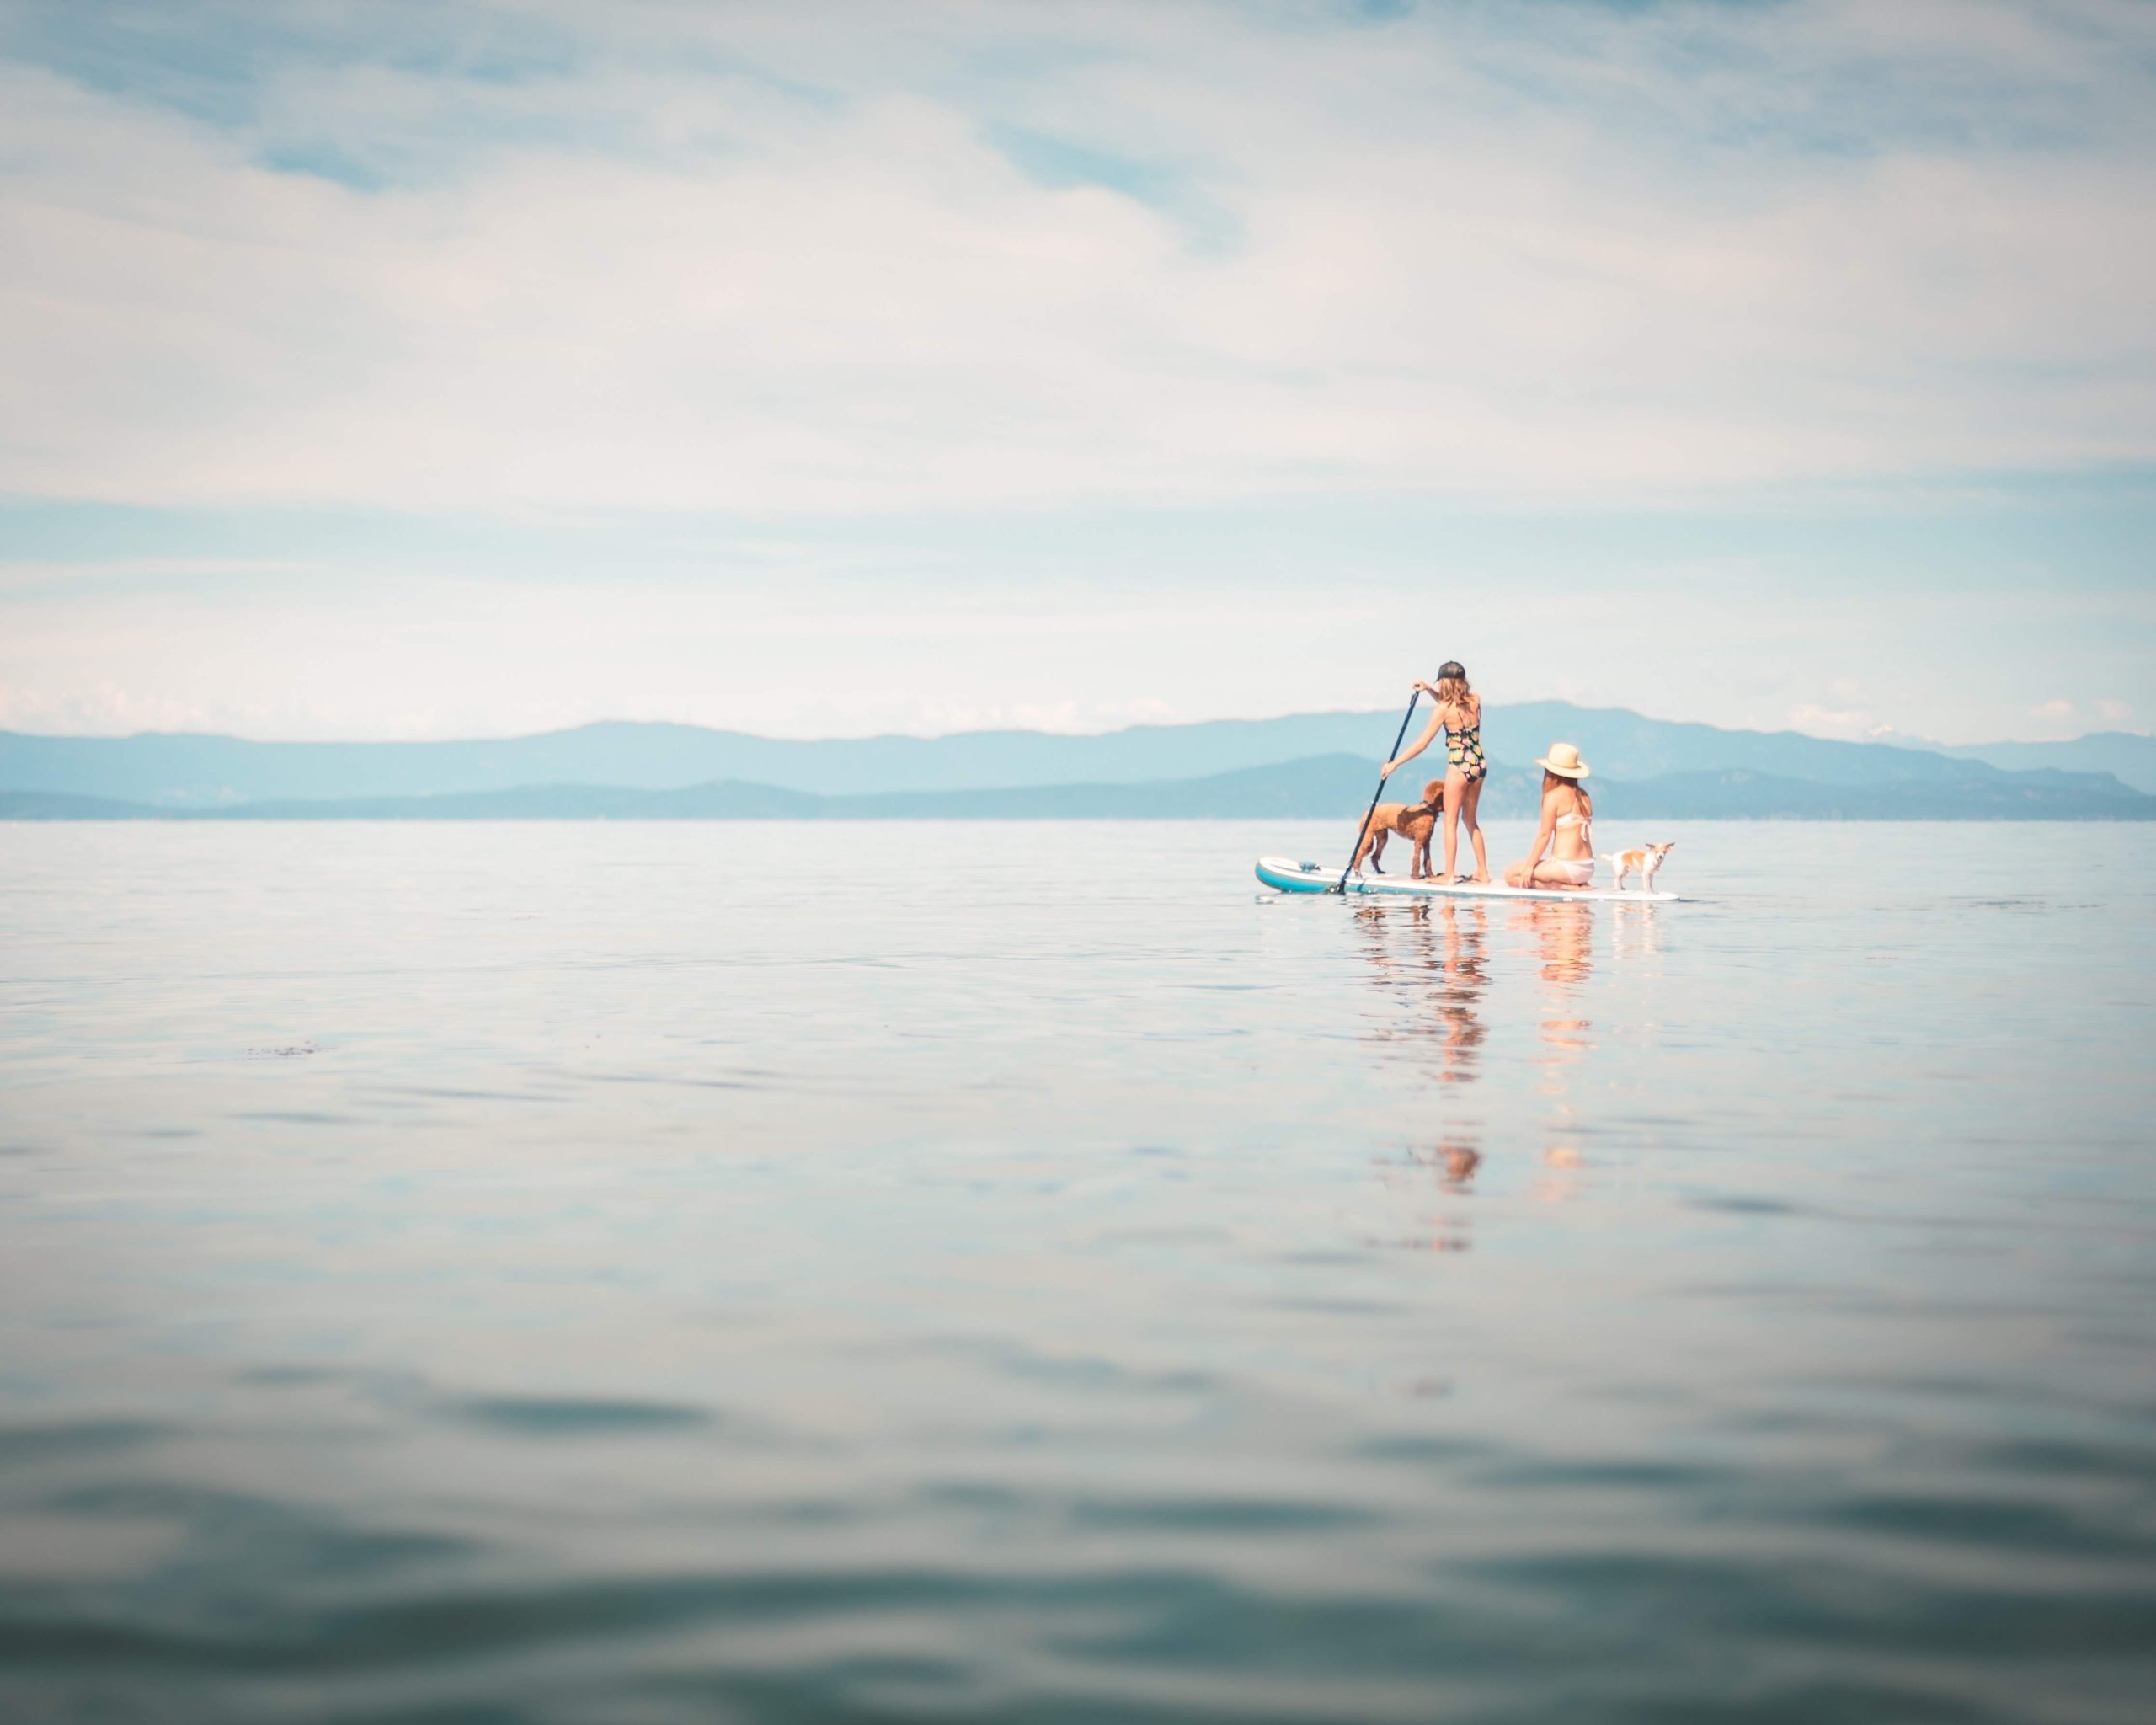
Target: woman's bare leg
[
  {"x": 1455, "y": 788},
  {"x": 1469, "y": 804},
  {"x": 1544, "y": 874}
]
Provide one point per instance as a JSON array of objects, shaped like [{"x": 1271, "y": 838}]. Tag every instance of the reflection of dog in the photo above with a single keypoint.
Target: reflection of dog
[
  {"x": 1642, "y": 862},
  {"x": 1413, "y": 821}
]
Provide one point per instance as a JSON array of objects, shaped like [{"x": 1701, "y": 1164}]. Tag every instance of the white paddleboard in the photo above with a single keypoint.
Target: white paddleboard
[{"x": 1288, "y": 876}]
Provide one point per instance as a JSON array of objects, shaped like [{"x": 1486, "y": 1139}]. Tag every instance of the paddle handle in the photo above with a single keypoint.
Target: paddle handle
[{"x": 1362, "y": 831}]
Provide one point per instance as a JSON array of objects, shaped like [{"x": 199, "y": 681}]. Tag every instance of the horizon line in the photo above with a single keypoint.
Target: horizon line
[{"x": 1887, "y": 738}]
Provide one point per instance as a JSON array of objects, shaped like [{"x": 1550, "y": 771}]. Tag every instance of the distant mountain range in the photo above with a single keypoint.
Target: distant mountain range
[
  {"x": 180, "y": 770},
  {"x": 1325, "y": 785},
  {"x": 2126, "y": 755}
]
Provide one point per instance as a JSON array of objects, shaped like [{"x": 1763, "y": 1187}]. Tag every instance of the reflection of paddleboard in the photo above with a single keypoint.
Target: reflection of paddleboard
[{"x": 1289, "y": 877}]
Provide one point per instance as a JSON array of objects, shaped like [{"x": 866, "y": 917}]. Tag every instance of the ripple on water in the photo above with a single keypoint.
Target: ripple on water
[
  {"x": 540, "y": 1417},
  {"x": 902, "y": 1303}
]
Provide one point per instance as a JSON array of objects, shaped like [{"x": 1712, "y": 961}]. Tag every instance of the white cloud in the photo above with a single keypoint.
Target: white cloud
[
  {"x": 595, "y": 283},
  {"x": 1534, "y": 264},
  {"x": 1849, "y": 724},
  {"x": 42, "y": 574},
  {"x": 2053, "y": 718}
]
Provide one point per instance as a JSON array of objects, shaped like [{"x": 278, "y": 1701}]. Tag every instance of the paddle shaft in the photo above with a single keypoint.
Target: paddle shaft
[{"x": 1362, "y": 831}]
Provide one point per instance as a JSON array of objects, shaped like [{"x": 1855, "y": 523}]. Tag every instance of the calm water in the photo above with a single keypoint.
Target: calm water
[{"x": 607, "y": 1274}]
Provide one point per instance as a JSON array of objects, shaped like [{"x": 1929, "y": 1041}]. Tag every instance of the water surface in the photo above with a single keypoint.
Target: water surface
[{"x": 622, "y": 1273}]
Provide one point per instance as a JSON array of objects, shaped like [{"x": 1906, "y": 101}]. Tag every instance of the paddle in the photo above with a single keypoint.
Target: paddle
[{"x": 1340, "y": 886}]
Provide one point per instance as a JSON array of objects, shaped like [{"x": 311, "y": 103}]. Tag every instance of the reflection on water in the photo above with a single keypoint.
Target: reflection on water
[
  {"x": 1431, "y": 960},
  {"x": 1564, "y": 940},
  {"x": 1564, "y": 944},
  {"x": 656, "y": 1283}
]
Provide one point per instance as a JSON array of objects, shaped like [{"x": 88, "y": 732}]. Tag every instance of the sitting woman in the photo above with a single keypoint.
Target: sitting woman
[{"x": 1567, "y": 809}]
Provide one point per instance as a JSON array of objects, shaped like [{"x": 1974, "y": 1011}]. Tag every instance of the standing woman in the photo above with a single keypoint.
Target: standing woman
[
  {"x": 1459, "y": 716},
  {"x": 1566, "y": 812}
]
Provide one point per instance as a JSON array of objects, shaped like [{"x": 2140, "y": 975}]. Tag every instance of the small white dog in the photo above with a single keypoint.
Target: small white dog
[{"x": 1642, "y": 862}]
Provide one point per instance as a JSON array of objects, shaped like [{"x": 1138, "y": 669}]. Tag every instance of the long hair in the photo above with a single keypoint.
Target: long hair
[
  {"x": 1452, "y": 692},
  {"x": 1579, "y": 790}
]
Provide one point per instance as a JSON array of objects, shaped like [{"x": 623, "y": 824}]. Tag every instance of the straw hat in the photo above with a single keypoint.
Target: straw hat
[{"x": 1564, "y": 759}]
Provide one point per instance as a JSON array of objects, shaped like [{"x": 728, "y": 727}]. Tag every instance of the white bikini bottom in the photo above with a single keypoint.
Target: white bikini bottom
[{"x": 1578, "y": 870}]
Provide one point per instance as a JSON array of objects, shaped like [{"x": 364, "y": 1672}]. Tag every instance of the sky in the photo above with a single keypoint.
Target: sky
[{"x": 475, "y": 368}]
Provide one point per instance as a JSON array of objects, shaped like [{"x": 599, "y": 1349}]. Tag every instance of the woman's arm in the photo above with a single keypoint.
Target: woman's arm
[
  {"x": 1543, "y": 834},
  {"x": 1429, "y": 736}
]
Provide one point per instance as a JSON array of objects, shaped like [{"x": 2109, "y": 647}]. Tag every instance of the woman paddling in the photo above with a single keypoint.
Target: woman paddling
[
  {"x": 1566, "y": 811},
  {"x": 1459, "y": 716}
]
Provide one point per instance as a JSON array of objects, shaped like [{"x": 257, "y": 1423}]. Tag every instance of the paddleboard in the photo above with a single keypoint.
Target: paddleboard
[{"x": 1287, "y": 876}]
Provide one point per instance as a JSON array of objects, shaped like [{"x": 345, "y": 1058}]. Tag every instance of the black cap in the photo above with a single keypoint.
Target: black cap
[{"x": 1451, "y": 668}]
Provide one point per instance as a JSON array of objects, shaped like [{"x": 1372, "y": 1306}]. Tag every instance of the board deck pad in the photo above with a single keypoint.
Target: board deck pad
[{"x": 1286, "y": 875}]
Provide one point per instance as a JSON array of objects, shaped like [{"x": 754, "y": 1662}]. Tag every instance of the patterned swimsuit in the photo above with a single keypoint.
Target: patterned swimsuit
[{"x": 1464, "y": 750}]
